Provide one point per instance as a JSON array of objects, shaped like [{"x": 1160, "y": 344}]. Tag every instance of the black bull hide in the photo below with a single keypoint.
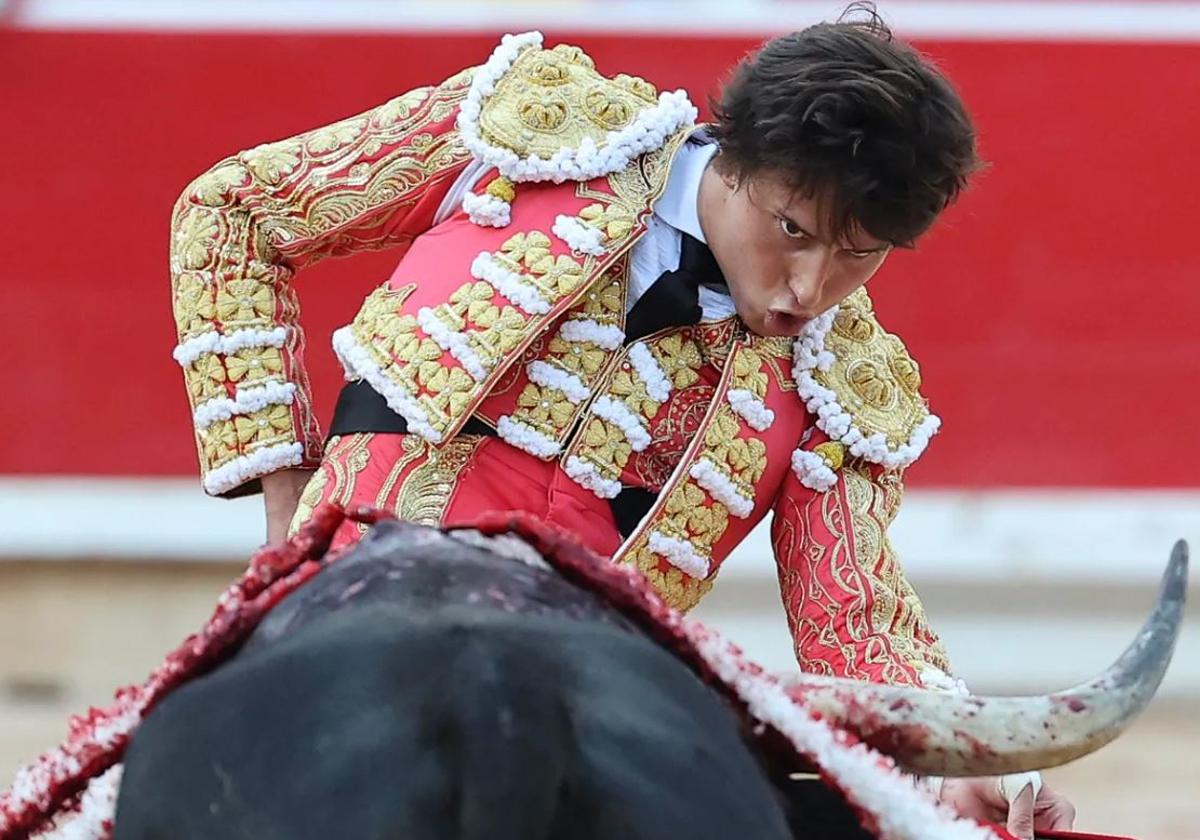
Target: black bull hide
[{"x": 425, "y": 688}]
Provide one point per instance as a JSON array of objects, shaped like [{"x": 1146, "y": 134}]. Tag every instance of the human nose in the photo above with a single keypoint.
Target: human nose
[{"x": 810, "y": 272}]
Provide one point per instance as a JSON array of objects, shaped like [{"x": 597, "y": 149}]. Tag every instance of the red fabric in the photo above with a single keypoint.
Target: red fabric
[
  {"x": 494, "y": 477},
  {"x": 1060, "y": 835}
]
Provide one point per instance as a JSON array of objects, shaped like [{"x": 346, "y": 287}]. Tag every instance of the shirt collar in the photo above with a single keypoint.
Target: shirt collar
[{"x": 678, "y": 204}]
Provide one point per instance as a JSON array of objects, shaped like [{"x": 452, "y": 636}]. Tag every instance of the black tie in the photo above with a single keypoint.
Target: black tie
[
  {"x": 672, "y": 301},
  {"x": 674, "y": 298}
]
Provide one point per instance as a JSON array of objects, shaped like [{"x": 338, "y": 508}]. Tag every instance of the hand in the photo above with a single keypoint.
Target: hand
[
  {"x": 980, "y": 799},
  {"x": 281, "y": 495}
]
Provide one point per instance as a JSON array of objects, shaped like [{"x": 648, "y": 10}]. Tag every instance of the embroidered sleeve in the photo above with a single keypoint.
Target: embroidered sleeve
[
  {"x": 239, "y": 233},
  {"x": 851, "y": 611}
]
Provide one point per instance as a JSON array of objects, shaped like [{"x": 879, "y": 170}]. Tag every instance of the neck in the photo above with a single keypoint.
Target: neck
[{"x": 707, "y": 198}]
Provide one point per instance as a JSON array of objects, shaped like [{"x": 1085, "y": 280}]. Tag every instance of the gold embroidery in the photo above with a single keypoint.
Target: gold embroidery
[
  {"x": 555, "y": 98},
  {"x": 691, "y": 512},
  {"x": 426, "y": 491},
  {"x": 240, "y": 230},
  {"x": 605, "y": 445},
  {"x": 411, "y": 448},
  {"x": 547, "y": 409},
  {"x": 604, "y": 302},
  {"x": 829, "y": 579},
  {"x": 206, "y": 379},
  {"x": 875, "y": 379},
  {"x": 254, "y": 364},
  {"x": 897, "y": 613},
  {"x": 348, "y": 461},
  {"x": 680, "y": 358},
  {"x": 741, "y": 459},
  {"x": 678, "y": 590}
]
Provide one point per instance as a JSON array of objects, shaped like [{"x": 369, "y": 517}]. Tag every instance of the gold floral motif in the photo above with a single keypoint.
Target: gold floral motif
[
  {"x": 868, "y": 384},
  {"x": 574, "y": 54},
  {"x": 614, "y": 220},
  {"x": 425, "y": 493},
  {"x": 748, "y": 373},
  {"x": 212, "y": 188},
  {"x": 263, "y": 427},
  {"x": 679, "y": 355},
  {"x": 545, "y": 114},
  {"x": 626, "y": 385},
  {"x": 907, "y": 374},
  {"x": 246, "y": 301},
  {"x": 524, "y": 249},
  {"x": 852, "y": 323},
  {"x": 604, "y": 445},
  {"x": 677, "y": 589},
  {"x": 604, "y": 302},
  {"x": 473, "y": 302},
  {"x": 195, "y": 239},
  {"x": 546, "y": 409},
  {"x": 504, "y": 335},
  {"x": 547, "y": 69},
  {"x": 873, "y": 375},
  {"x": 194, "y": 307},
  {"x": 399, "y": 108},
  {"x": 606, "y": 110},
  {"x": 558, "y": 277},
  {"x": 637, "y": 86},
  {"x": 334, "y": 136},
  {"x": 694, "y": 516},
  {"x": 206, "y": 378},
  {"x": 743, "y": 459},
  {"x": 254, "y": 364},
  {"x": 218, "y": 443},
  {"x": 582, "y": 358},
  {"x": 272, "y": 162}
]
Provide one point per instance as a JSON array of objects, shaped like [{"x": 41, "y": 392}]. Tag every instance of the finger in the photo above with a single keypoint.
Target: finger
[
  {"x": 1020, "y": 814},
  {"x": 1059, "y": 816}
]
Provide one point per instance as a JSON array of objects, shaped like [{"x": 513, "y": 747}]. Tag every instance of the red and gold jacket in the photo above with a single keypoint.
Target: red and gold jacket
[{"x": 510, "y": 306}]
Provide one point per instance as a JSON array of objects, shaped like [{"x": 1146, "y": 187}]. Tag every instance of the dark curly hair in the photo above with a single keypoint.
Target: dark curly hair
[{"x": 846, "y": 112}]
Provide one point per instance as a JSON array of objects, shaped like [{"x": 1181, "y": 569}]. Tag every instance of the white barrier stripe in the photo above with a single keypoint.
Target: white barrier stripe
[{"x": 983, "y": 21}]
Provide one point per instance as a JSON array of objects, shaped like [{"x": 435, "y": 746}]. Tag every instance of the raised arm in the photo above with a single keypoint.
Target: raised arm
[{"x": 239, "y": 233}]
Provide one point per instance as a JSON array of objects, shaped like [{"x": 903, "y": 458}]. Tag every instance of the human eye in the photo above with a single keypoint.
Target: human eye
[{"x": 791, "y": 229}]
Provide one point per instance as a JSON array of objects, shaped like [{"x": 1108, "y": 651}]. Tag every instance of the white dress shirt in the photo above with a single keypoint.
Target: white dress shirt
[{"x": 676, "y": 212}]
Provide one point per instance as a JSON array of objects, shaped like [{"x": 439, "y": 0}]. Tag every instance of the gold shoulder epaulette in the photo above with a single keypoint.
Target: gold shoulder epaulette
[
  {"x": 546, "y": 114},
  {"x": 864, "y": 388}
]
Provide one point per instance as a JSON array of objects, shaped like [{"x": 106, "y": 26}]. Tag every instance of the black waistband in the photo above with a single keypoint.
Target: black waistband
[{"x": 361, "y": 409}]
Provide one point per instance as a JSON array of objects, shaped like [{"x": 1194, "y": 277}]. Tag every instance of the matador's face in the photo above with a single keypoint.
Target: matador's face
[{"x": 771, "y": 244}]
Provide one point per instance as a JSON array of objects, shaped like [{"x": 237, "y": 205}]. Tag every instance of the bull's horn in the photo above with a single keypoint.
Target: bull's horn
[{"x": 955, "y": 735}]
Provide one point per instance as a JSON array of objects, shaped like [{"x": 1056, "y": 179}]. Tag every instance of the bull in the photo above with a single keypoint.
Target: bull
[{"x": 502, "y": 682}]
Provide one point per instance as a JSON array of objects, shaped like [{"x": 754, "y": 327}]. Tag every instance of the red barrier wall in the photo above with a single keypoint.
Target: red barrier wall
[{"x": 1053, "y": 311}]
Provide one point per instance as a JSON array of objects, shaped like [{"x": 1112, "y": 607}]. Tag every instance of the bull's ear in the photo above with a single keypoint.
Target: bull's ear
[{"x": 945, "y": 734}]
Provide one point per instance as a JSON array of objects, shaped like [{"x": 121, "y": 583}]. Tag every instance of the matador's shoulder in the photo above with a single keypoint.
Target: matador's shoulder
[
  {"x": 863, "y": 388},
  {"x": 540, "y": 114}
]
